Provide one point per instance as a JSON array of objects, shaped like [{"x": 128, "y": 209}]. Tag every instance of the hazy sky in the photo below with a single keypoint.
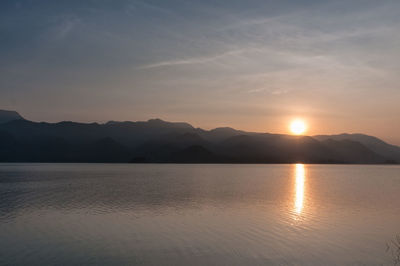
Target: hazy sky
[{"x": 251, "y": 65}]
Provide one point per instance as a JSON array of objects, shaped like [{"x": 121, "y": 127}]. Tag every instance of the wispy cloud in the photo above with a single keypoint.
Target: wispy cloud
[
  {"x": 66, "y": 27},
  {"x": 191, "y": 60}
]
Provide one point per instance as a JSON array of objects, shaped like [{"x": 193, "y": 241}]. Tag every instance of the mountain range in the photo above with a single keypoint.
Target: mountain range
[{"x": 158, "y": 141}]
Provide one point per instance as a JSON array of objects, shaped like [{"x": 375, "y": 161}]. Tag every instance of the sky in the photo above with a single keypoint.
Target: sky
[{"x": 253, "y": 65}]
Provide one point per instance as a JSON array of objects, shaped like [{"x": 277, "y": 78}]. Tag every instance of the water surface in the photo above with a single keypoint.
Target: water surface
[{"x": 120, "y": 214}]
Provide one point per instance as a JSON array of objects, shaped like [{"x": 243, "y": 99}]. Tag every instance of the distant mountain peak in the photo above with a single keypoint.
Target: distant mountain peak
[
  {"x": 7, "y": 116},
  {"x": 156, "y": 120},
  {"x": 223, "y": 129}
]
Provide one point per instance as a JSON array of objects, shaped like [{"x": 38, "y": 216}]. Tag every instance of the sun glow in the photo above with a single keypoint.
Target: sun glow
[{"x": 298, "y": 127}]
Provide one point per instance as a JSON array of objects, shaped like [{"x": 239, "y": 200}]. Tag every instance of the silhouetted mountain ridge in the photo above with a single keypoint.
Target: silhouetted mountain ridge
[{"x": 160, "y": 141}]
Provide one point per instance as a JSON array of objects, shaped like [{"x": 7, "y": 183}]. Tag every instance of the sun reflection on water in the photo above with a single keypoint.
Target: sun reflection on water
[{"x": 299, "y": 188}]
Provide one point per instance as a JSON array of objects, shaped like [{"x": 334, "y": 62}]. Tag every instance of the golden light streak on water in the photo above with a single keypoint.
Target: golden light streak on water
[{"x": 299, "y": 187}]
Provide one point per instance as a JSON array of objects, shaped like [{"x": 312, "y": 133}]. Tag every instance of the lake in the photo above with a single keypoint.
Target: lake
[{"x": 171, "y": 214}]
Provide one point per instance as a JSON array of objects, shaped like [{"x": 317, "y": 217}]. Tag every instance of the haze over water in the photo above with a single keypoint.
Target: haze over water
[{"x": 118, "y": 214}]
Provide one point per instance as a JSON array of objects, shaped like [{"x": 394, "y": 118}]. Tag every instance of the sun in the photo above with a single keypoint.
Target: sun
[{"x": 298, "y": 127}]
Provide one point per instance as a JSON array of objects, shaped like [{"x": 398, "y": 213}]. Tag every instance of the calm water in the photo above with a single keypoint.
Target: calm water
[{"x": 80, "y": 214}]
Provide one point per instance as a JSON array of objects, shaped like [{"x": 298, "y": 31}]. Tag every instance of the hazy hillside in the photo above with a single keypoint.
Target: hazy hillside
[
  {"x": 166, "y": 142},
  {"x": 372, "y": 143}
]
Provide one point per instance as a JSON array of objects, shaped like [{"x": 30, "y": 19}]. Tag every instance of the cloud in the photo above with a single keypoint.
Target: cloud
[
  {"x": 192, "y": 60},
  {"x": 65, "y": 28}
]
